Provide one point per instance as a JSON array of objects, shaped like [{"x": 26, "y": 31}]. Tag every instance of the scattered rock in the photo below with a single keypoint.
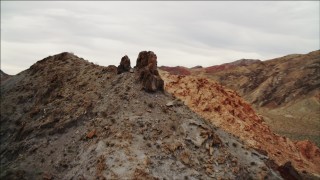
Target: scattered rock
[
  {"x": 149, "y": 75},
  {"x": 194, "y": 133},
  {"x": 185, "y": 157},
  {"x": 91, "y": 134},
  {"x": 47, "y": 176},
  {"x": 209, "y": 170},
  {"x": 124, "y": 65},
  {"x": 221, "y": 160},
  {"x": 170, "y": 104},
  {"x": 211, "y": 151}
]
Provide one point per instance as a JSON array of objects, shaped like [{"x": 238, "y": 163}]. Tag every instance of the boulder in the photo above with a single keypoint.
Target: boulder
[
  {"x": 124, "y": 65},
  {"x": 148, "y": 73},
  {"x": 170, "y": 104}
]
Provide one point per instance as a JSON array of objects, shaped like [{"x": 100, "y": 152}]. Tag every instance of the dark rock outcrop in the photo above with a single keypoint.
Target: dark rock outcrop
[
  {"x": 149, "y": 75},
  {"x": 287, "y": 171},
  {"x": 124, "y": 65}
]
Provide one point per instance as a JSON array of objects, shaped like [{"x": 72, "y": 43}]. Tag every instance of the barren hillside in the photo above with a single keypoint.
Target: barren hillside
[
  {"x": 285, "y": 90},
  {"x": 226, "y": 109},
  {"x": 66, "y": 118},
  {"x": 4, "y": 76}
]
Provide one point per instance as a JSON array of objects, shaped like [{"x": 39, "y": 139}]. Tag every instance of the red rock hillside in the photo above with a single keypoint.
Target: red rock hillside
[{"x": 225, "y": 108}]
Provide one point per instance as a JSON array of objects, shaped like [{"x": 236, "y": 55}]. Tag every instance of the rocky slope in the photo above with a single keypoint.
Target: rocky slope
[
  {"x": 274, "y": 82},
  {"x": 285, "y": 90},
  {"x": 3, "y": 76},
  {"x": 66, "y": 118},
  {"x": 226, "y": 109}
]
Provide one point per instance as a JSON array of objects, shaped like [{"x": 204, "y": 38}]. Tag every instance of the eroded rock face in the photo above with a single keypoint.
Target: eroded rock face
[
  {"x": 149, "y": 75},
  {"x": 124, "y": 65}
]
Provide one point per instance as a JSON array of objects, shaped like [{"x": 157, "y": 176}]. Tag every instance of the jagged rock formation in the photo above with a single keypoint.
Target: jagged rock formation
[
  {"x": 226, "y": 109},
  {"x": 66, "y": 118},
  {"x": 125, "y": 65},
  {"x": 149, "y": 75}
]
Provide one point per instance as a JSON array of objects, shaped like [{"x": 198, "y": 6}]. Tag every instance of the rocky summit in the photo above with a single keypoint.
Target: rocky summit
[{"x": 68, "y": 118}]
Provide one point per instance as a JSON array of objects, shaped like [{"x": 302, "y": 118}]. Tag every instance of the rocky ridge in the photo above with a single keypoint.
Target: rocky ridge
[{"x": 67, "y": 118}]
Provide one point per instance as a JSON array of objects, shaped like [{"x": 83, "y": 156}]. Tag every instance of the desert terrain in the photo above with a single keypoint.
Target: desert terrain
[{"x": 68, "y": 118}]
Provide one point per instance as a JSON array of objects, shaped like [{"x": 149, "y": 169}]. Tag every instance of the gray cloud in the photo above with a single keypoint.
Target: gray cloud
[{"x": 181, "y": 33}]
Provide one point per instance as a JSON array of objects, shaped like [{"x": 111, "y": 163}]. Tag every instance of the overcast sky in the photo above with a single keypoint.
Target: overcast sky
[{"x": 186, "y": 33}]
